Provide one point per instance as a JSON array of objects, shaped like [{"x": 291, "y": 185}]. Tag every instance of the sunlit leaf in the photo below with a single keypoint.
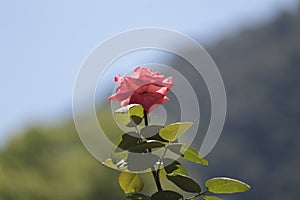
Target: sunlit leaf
[
  {"x": 188, "y": 153},
  {"x": 185, "y": 183},
  {"x": 110, "y": 164},
  {"x": 162, "y": 173},
  {"x": 206, "y": 197},
  {"x": 130, "y": 182},
  {"x": 174, "y": 131},
  {"x": 152, "y": 133},
  {"x": 130, "y": 115},
  {"x": 136, "y": 110},
  {"x": 166, "y": 195},
  {"x": 222, "y": 185}
]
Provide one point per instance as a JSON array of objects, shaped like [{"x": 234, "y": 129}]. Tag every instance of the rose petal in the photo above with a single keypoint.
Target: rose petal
[
  {"x": 142, "y": 87},
  {"x": 163, "y": 100},
  {"x": 125, "y": 102}
]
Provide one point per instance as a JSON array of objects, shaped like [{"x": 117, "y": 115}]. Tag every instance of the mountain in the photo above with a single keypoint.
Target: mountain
[
  {"x": 259, "y": 144},
  {"x": 260, "y": 140}
]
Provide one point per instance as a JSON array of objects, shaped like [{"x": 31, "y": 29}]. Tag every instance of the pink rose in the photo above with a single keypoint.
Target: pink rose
[{"x": 143, "y": 87}]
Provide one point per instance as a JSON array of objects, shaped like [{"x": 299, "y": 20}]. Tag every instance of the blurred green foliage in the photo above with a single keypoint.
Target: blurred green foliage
[{"x": 53, "y": 164}]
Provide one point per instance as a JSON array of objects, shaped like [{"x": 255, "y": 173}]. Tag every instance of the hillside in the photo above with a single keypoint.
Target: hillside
[{"x": 261, "y": 69}]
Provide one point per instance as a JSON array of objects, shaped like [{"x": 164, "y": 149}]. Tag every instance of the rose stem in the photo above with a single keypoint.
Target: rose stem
[{"x": 154, "y": 173}]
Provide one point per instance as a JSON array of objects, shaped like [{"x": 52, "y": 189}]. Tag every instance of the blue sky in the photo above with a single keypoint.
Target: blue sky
[{"x": 43, "y": 43}]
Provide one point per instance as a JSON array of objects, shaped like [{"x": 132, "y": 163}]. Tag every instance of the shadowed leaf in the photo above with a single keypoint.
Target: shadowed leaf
[
  {"x": 166, "y": 195},
  {"x": 127, "y": 140},
  {"x": 152, "y": 133},
  {"x": 185, "y": 183},
  {"x": 137, "y": 196},
  {"x": 141, "y": 161},
  {"x": 141, "y": 147},
  {"x": 173, "y": 167}
]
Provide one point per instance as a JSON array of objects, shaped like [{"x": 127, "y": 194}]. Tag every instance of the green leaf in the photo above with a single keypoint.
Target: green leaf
[
  {"x": 157, "y": 137},
  {"x": 173, "y": 167},
  {"x": 222, "y": 185},
  {"x": 130, "y": 115},
  {"x": 152, "y": 133},
  {"x": 117, "y": 157},
  {"x": 137, "y": 196},
  {"x": 206, "y": 197},
  {"x": 151, "y": 130},
  {"x": 136, "y": 110},
  {"x": 130, "y": 182},
  {"x": 185, "y": 183},
  {"x": 162, "y": 173},
  {"x": 174, "y": 131},
  {"x": 122, "y": 118},
  {"x": 144, "y": 146},
  {"x": 110, "y": 164},
  {"x": 141, "y": 161},
  {"x": 127, "y": 140},
  {"x": 188, "y": 153},
  {"x": 166, "y": 195},
  {"x": 135, "y": 120}
]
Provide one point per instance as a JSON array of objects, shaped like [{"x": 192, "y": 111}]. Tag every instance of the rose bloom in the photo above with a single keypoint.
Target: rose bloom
[{"x": 143, "y": 87}]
